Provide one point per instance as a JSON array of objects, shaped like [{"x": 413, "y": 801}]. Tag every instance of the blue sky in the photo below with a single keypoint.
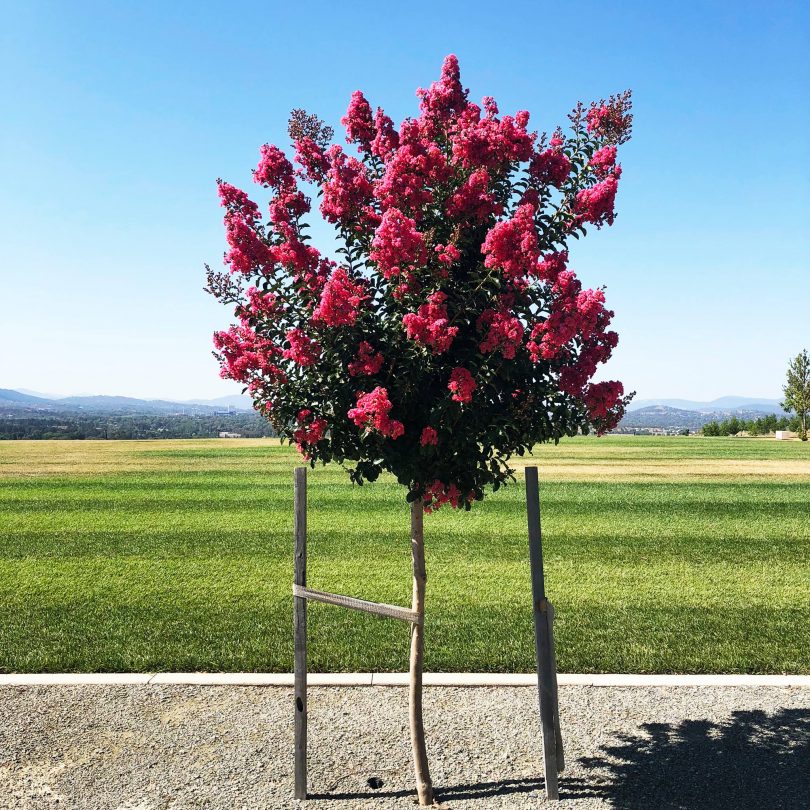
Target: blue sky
[{"x": 118, "y": 118}]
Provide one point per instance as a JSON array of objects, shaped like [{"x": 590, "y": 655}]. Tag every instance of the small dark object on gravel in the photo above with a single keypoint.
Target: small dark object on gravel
[{"x": 374, "y": 782}]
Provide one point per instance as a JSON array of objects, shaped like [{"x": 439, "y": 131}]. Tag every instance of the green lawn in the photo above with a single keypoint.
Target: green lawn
[{"x": 662, "y": 555}]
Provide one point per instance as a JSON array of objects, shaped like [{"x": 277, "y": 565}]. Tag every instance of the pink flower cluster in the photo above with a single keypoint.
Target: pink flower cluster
[
  {"x": 340, "y": 300},
  {"x": 512, "y": 245},
  {"x": 595, "y": 204},
  {"x": 429, "y": 436},
  {"x": 260, "y": 305},
  {"x": 473, "y": 201},
  {"x": 411, "y": 171},
  {"x": 445, "y": 97},
  {"x": 575, "y": 313},
  {"x": 359, "y": 123},
  {"x": 550, "y": 166},
  {"x": 237, "y": 202},
  {"x": 430, "y": 325},
  {"x": 347, "y": 190},
  {"x": 603, "y": 160},
  {"x": 602, "y": 397},
  {"x": 367, "y": 363},
  {"x": 491, "y": 142},
  {"x": 551, "y": 265},
  {"x": 461, "y": 384},
  {"x": 314, "y": 163},
  {"x": 248, "y": 254},
  {"x": 310, "y": 430},
  {"x": 303, "y": 350},
  {"x": 611, "y": 120},
  {"x": 439, "y": 493},
  {"x": 386, "y": 139},
  {"x": 373, "y": 411},
  {"x": 504, "y": 332},
  {"x": 274, "y": 169},
  {"x": 245, "y": 354},
  {"x": 447, "y": 254},
  {"x": 397, "y": 247}
]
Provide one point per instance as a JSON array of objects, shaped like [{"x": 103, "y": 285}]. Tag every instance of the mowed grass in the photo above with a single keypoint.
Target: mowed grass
[{"x": 662, "y": 555}]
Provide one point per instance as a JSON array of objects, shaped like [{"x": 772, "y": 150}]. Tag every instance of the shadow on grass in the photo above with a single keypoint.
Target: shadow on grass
[{"x": 751, "y": 760}]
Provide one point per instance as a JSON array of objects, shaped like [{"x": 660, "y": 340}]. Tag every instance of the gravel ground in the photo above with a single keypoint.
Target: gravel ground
[{"x": 160, "y": 747}]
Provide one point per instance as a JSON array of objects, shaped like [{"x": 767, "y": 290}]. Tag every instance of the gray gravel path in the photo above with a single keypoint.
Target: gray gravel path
[{"x": 161, "y": 747}]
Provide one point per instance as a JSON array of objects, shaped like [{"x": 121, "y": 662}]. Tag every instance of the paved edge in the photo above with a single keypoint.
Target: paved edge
[{"x": 389, "y": 679}]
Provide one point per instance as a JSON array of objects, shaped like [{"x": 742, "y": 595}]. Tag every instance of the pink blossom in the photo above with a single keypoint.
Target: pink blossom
[
  {"x": 430, "y": 325},
  {"x": 303, "y": 350},
  {"x": 340, "y": 300},
  {"x": 603, "y": 160},
  {"x": 287, "y": 206},
  {"x": 347, "y": 190},
  {"x": 602, "y": 397},
  {"x": 367, "y": 363},
  {"x": 595, "y": 204},
  {"x": 550, "y": 167},
  {"x": 445, "y": 97},
  {"x": 358, "y": 122},
  {"x": 611, "y": 120},
  {"x": 373, "y": 411},
  {"x": 237, "y": 202},
  {"x": 461, "y": 384},
  {"x": 473, "y": 201},
  {"x": 248, "y": 254},
  {"x": 429, "y": 436},
  {"x": 260, "y": 304},
  {"x": 397, "y": 245},
  {"x": 512, "y": 245},
  {"x": 310, "y": 156},
  {"x": 311, "y": 429},
  {"x": 551, "y": 265},
  {"x": 504, "y": 332},
  {"x": 245, "y": 354},
  {"x": 490, "y": 142},
  {"x": 447, "y": 254},
  {"x": 411, "y": 171},
  {"x": 274, "y": 169},
  {"x": 439, "y": 493},
  {"x": 386, "y": 139}
]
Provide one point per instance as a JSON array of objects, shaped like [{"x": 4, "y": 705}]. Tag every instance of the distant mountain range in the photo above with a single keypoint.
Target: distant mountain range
[
  {"x": 18, "y": 402},
  {"x": 662, "y": 416},
  {"x": 685, "y": 413},
  {"x": 663, "y": 413},
  {"x": 721, "y": 405}
]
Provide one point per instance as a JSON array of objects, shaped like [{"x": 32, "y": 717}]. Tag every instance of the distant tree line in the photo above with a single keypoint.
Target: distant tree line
[
  {"x": 101, "y": 426},
  {"x": 753, "y": 427}
]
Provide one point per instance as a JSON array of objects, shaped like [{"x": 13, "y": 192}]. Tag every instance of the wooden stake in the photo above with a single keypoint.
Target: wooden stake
[
  {"x": 300, "y": 623},
  {"x": 546, "y": 676},
  {"x": 424, "y": 785}
]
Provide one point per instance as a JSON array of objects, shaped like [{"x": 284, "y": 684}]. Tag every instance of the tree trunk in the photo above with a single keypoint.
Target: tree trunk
[{"x": 424, "y": 787}]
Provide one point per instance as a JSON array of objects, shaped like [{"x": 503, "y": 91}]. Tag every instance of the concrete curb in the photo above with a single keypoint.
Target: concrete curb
[{"x": 471, "y": 679}]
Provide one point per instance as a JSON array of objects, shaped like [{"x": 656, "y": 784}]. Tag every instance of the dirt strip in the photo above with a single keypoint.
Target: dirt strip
[{"x": 138, "y": 747}]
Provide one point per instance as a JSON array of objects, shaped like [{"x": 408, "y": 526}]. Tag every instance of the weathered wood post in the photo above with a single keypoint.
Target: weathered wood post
[
  {"x": 300, "y": 624},
  {"x": 544, "y": 643},
  {"x": 424, "y": 785}
]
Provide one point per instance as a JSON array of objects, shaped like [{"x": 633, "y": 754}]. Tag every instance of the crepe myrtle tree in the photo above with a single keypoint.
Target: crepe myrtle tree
[{"x": 447, "y": 333}]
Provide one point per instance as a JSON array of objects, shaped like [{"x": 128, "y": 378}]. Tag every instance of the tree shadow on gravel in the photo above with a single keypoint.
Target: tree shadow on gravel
[{"x": 752, "y": 760}]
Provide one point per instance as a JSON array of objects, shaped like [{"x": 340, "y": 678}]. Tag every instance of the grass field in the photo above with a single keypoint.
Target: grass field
[{"x": 662, "y": 555}]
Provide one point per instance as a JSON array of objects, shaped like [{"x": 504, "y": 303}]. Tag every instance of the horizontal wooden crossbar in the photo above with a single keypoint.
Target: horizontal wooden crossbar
[{"x": 391, "y": 611}]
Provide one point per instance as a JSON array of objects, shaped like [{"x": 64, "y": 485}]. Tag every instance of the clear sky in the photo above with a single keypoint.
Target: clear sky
[{"x": 118, "y": 118}]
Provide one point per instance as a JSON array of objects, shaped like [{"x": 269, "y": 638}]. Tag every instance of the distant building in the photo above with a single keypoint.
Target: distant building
[
  {"x": 226, "y": 434},
  {"x": 783, "y": 435}
]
